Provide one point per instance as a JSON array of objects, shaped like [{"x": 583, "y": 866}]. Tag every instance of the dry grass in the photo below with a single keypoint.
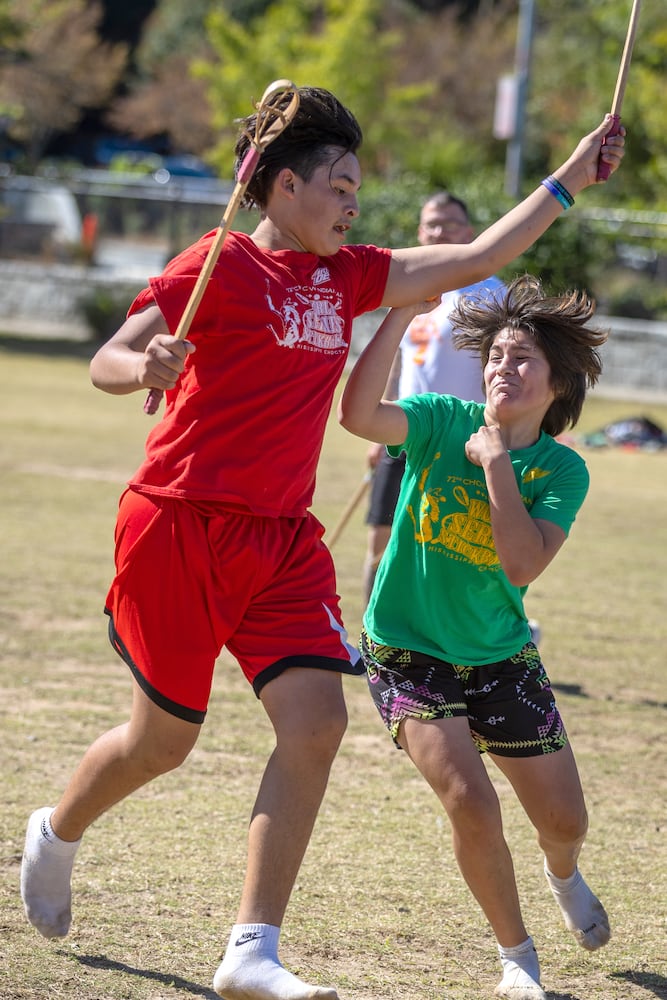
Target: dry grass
[{"x": 379, "y": 909}]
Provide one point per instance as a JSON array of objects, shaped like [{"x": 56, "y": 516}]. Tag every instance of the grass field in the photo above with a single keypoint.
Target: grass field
[{"x": 379, "y": 909}]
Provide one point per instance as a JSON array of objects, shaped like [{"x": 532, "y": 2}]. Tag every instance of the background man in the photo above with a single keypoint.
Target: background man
[{"x": 425, "y": 362}]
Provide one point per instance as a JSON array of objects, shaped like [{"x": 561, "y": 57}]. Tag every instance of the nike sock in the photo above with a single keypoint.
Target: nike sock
[
  {"x": 584, "y": 914},
  {"x": 521, "y": 973},
  {"x": 46, "y": 870},
  {"x": 251, "y": 970}
]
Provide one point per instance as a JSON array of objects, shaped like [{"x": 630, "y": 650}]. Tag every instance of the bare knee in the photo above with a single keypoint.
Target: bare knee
[
  {"x": 473, "y": 811},
  {"x": 157, "y": 751},
  {"x": 312, "y": 742},
  {"x": 155, "y": 741},
  {"x": 321, "y": 736},
  {"x": 565, "y": 829},
  {"x": 168, "y": 758},
  {"x": 308, "y": 713}
]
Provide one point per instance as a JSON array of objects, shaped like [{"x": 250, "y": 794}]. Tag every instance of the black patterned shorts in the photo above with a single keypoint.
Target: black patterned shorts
[{"x": 509, "y": 705}]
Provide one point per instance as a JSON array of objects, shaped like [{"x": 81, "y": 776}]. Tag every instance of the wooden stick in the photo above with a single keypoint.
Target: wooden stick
[
  {"x": 621, "y": 82},
  {"x": 349, "y": 510},
  {"x": 624, "y": 68},
  {"x": 270, "y": 122}
]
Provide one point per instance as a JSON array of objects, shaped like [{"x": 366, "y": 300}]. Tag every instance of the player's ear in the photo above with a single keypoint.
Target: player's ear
[{"x": 285, "y": 182}]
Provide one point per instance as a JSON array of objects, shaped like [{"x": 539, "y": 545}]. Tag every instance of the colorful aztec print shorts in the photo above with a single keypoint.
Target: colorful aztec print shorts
[{"x": 509, "y": 705}]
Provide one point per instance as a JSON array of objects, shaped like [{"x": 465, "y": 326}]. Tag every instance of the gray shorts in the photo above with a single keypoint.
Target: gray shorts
[{"x": 510, "y": 705}]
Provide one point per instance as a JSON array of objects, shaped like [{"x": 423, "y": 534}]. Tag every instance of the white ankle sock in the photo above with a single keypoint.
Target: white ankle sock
[
  {"x": 582, "y": 911},
  {"x": 521, "y": 973},
  {"x": 46, "y": 870},
  {"x": 251, "y": 970}
]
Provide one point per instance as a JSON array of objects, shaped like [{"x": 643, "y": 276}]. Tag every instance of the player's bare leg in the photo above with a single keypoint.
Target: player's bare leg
[
  {"x": 549, "y": 789},
  {"x": 119, "y": 762},
  {"x": 307, "y": 710},
  {"x": 449, "y": 760}
]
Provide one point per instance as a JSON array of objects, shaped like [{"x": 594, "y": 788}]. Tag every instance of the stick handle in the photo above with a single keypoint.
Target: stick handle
[{"x": 603, "y": 168}]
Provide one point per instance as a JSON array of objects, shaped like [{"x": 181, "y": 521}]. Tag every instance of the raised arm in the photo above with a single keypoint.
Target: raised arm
[
  {"x": 419, "y": 272},
  {"x": 362, "y": 410},
  {"x": 376, "y": 449},
  {"x": 142, "y": 354}
]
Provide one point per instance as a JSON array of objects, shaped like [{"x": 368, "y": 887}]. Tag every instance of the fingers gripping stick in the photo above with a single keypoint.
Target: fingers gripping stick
[
  {"x": 621, "y": 81},
  {"x": 275, "y": 111}
]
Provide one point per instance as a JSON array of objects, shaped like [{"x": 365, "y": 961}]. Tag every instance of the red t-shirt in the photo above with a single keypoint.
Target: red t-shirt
[{"x": 244, "y": 424}]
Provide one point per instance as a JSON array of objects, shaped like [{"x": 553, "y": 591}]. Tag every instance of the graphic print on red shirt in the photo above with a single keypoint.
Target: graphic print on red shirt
[{"x": 244, "y": 424}]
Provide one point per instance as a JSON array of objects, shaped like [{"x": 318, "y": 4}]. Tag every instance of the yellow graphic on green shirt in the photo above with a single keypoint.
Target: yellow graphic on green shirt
[
  {"x": 466, "y": 532},
  {"x": 535, "y": 473}
]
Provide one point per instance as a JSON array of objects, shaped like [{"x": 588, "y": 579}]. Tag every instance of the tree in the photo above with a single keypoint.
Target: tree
[
  {"x": 423, "y": 84},
  {"x": 314, "y": 43},
  {"x": 413, "y": 80},
  {"x": 54, "y": 66},
  {"x": 573, "y": 82},
  {"x": 416, "y": 87},
  {"x": 164, "y": 97},
  {"x": 123, "y": 20},
  {"x": 463, "y": 58}
]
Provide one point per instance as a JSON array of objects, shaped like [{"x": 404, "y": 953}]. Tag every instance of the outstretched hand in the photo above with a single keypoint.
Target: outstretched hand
[{"x": 581, "y": 169}]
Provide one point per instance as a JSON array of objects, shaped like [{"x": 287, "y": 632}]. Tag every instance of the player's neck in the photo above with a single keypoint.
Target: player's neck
[
  {"x": 517, "y": 434},
  {"x": 269, "y": 236}
]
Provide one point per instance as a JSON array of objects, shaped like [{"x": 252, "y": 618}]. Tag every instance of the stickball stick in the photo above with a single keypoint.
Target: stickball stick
[
  {"x": 349, "y": 510},
  {"x": 271, "y": 120},
  {"x": 621, "y": 81}
]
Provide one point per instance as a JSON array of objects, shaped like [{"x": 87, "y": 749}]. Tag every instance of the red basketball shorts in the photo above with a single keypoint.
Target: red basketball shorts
[{"x": 192, "y": 578}]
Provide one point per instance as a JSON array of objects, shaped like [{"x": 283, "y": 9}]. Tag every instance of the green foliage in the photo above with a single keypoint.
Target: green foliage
[
  {"x": 55, "y": 66},
  {"x": 104, "y": 309},
  {"x": 637, "y": 296},
  {"x": 389, "y": 212},
  {"x": 172, "y": 27},
  {"x": 576, "y": 59},
  {"x": 314, "y": 44},
  {"x": 12, "y": 32},
  {"x": 421, "y": 81},
  {"x": 569, "y": 255}
]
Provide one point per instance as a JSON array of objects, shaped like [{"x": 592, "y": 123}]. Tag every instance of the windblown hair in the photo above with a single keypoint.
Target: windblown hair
[
  {"x": 559, "y": 326},
  {"x": 320, "y": 127}
]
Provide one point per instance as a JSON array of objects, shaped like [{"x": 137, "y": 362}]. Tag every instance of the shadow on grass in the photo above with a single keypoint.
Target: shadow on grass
[
  {"x": 110, "y": 965},
  {"x": 49, "y": 346},
  {"x": 653, "y": 982},
  {"x": 575, "y": 690}
]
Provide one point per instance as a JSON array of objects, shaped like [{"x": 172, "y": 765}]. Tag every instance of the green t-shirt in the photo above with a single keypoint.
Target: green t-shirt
[{"x": 440, "y": 588}]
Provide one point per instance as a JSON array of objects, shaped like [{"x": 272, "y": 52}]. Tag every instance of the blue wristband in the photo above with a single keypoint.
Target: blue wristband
[
  {"x": 560, "y": 193},
  {"x": 563, "y": 190}
]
